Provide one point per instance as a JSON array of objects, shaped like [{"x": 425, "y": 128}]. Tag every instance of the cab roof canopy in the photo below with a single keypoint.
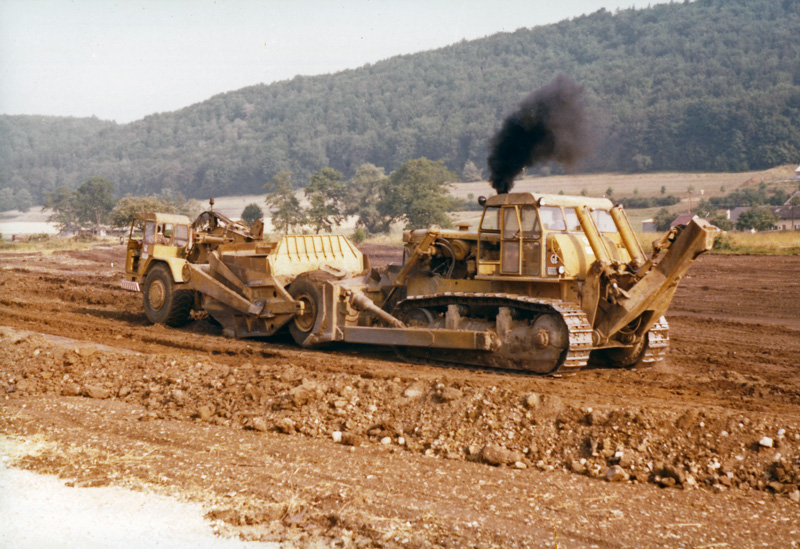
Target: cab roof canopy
[
  {"x": 174, "y": 219},
  {"x": 549, "y": 200}
]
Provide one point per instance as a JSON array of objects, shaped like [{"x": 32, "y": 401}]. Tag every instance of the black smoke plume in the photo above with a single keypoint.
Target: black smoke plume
[{"x": 550, "y": 124}]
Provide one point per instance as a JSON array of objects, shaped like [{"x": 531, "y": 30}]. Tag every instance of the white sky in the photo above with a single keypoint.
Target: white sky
[{"x": 124, "y": 59}]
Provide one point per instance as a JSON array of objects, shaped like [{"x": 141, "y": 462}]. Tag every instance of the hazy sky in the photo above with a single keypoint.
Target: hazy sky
[{"x": 124, "y": 59}]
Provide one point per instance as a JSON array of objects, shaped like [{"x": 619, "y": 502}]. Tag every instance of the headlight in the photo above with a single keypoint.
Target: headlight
[{"x": 561, "y": 270}]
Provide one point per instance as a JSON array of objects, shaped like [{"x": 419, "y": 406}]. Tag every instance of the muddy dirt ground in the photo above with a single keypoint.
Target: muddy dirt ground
[{"x": 351, "y": 448}]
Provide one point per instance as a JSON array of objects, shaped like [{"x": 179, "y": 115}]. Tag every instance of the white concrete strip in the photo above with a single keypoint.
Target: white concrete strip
[{"x": 39, "y": 511}]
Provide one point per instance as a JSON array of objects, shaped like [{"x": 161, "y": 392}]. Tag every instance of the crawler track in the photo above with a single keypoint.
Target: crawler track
[{"x": 575, "y": 356}]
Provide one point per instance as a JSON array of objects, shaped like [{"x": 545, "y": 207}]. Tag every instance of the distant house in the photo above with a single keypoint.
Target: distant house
[
  {"x": 736, "y": 212},
  {"x": 788, "y": 217},
  {"x": 649, "y": 226},
  {"x": 797, "y": 173},
  {"x": 683, "y": 219}
]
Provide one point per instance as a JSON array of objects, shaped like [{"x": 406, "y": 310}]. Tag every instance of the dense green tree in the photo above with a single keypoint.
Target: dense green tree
[
  {"x": 471, "y": 172},
  {"x": 252, "y": 213},
  {"x": 366, "y": 191},
  {"x": 94, "y": 200},
  {"x": 62, "y": 202},
  {"x": 418, "y": 194},
  {"x": 760, "y": 219},
  {"x": 722, "y": 222},
  {"x": 175, "y": 202},
  {"x": 326, "y": 195},
  {"x": 287, "y": 215},
  {"x": 663, "y": 219},
  {"x": 125, "y": 208}
]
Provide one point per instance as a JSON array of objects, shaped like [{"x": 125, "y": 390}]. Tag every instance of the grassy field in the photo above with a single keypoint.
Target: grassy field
[{"x": 771, "y": 243}]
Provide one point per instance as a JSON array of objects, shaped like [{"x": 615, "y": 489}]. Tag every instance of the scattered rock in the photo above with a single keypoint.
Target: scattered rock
[
  {"x": 577, "y": 467},
  {"x": 776, "y": 486},
  {"x": 386, "y": 440},
  {"x": 70, "y": 389},
  {"x": 86, "y": 351},
  {"x": 351, "y": 439},
  {"x": 667, "y": 482},
  {"x": 494, "y": 454},
  {"x": 286, "y": 425},
  {"x": 766, "y": 442},
  {"x": 205, "y": 413},
  {"x": 520, "y": 465},
  {"x": 449, "y": 394},
  {"x": 532, "y": 401},
  {"x": 415, "y": 390},
  {"x": 336, "y": 436},
  {"x": 626, "y": 459},
  {"x": 794, "y": 495},
  {"x": 305, "y": 393},
  {"x": 688, "y": 420},
  {"x": 616, "y": 474},
  {"x": 259, "y": 424},
  {"x": 92, "y": 391},
  {"x": 668, "y": 475},
  {"x": 178, "y": 397}
]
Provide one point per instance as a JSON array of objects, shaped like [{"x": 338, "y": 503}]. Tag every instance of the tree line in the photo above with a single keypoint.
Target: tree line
[
  {"x": 710, "y": 85},
  {"x": 93, "y": 205},
  {"x": 416, "y": 195}
]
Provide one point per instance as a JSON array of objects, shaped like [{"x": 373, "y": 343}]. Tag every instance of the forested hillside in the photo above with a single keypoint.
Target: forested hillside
[{"x": 710, "y": 85}]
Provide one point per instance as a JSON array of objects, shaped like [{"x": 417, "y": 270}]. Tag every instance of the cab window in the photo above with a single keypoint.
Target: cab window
[
  {"x": 181, "y": 235},
  {"x": 604, "y": 221},
  {"x": 530, "y": 222},
  {"x": 510, "y": 223},
  {"x": 573, "y": 224},
  {"x": 491, "y": 215},
  {"x": 149, "y": 232},
  {"x": 552, "y": 218},
  {"x": 137, "y": 229}
]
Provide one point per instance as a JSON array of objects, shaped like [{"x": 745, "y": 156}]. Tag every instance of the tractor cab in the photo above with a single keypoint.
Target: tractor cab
[
  {"x": 155, "y": 237},
  {"x": 548, "y": 236}
]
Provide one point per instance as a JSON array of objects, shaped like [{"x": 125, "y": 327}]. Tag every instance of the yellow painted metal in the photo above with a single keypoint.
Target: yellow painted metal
[
  {"x": 629, "y": 239},
  {"x": 173, "y": 219},
  {"x": 549, "y": 200},
  {"x": 424, "y": 246},
  {"x": 206, "y": 284},
  {"x": 593, "y": 235},
  {"x": 297, "y": 254},
  {"x": 175, "y": 265},
  {"x": 574, "y": 251},
  {"x": 656, "y": 288},
  {"x": 422, "y": 337}
]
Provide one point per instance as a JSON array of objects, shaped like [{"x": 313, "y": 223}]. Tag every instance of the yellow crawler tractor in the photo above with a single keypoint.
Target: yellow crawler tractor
[{"x": 547, "y": 284}]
